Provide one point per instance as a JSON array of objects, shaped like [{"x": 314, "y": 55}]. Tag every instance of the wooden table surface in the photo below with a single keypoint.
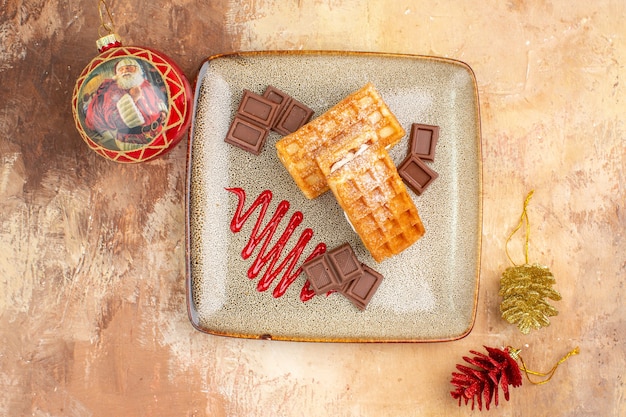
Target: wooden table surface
[{"x": 93, "y": 317}]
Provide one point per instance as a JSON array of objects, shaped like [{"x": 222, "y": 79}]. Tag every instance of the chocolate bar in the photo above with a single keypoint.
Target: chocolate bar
[
  {"x": 320, "y": 274},
  {"x": 345, "y": 263},
  {"x": 423, "y": 140},
  {"x": 361, "y": 290},
  {"x": 294, "y": 117},
  {"x": 340, "y": 270},
  {"x": 279, "y": 97},
  {"x": 333, "y": 269},
  {"x": 416, "y": 173},
  {"x": 258, "y": 109},
  {"x": 258, "y": 114},
  {"x": 246, "y": 135}
]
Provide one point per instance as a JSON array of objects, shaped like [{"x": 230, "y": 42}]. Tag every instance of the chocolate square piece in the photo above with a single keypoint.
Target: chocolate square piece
[
  {"x": 279, "y": 97},
  {"x": 258, "y": 109},
  {"x": 333, "y": 269},
  {"x": 361, "y": 290},
  {"x": 320, "y": 274},
  {"x": 345, "y": 263},
  {"x": 424, "y": 140},
  {"x": 416, "y": 173},
  {"x": 295, "y": 116},
  {"x": 246, "y": 135}
]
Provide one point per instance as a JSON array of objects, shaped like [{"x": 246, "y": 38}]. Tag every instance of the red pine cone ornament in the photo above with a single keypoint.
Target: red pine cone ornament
[{"x": 480, "y": 383}]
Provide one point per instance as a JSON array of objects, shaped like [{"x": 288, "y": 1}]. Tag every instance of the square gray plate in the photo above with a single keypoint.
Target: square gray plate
[{"x": 429, "y": 292}]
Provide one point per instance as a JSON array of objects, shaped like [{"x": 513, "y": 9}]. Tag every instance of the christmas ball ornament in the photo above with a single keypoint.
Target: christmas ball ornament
[{"x": 130, "y": 104}]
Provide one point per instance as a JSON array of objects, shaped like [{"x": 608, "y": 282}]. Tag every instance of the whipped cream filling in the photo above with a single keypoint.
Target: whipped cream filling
[{"x": 349, "y": 157}]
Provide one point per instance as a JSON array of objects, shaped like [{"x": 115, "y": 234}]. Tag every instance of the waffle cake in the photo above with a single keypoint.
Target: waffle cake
[
  {"x": 364, "y": 107},
  {"x": 370, "y": 191}
]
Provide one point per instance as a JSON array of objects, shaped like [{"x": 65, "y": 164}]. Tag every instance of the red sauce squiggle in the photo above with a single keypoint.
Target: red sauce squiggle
[
  {"x": 307, "y": 292},
  {"x": 263, "y": 237}
]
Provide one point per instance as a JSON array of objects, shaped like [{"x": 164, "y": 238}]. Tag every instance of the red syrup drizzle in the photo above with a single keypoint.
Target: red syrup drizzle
[{"x": 272, "y": 256}]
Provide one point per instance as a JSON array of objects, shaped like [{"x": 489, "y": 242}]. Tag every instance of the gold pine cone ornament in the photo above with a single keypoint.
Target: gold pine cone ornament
[{"x": 524, "y": 288}]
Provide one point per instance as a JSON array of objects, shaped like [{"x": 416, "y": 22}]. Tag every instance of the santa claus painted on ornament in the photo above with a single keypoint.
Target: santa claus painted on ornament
[{"x": 127, "y": 108}]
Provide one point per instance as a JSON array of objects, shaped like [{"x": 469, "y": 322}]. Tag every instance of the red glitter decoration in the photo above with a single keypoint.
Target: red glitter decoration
[{"x": 480, "y": 383}]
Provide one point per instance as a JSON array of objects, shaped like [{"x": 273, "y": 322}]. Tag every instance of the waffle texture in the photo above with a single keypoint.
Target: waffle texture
[
  {"x": 370, "y": 191},
  {"x": 363, "y": 109}
]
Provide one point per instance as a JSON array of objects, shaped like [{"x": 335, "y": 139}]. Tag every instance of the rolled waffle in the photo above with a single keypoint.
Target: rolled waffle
[
  {"x": 369, "y": 189},
  {"x": 364, "y": 107}
]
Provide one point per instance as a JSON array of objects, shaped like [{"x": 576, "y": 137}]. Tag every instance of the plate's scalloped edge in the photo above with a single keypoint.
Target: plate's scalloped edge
[{"x": 192, "y": 311}]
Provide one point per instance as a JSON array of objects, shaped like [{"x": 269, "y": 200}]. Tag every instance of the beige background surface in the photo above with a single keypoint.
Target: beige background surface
[{"x": 93, "y": 320}]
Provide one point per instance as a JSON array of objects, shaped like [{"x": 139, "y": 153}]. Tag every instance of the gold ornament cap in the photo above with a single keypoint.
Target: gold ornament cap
[{"x": 111, "y": 40}]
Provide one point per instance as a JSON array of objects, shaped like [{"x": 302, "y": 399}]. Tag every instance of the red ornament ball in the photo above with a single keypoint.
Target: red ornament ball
[{"x": 131, "y": 104}]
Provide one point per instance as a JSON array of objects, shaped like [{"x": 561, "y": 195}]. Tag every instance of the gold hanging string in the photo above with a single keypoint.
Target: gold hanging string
[
  {"x": 515, "y": 354},
  {"x": 106, "y": 19},
  {"x": 523, "y": 217}
]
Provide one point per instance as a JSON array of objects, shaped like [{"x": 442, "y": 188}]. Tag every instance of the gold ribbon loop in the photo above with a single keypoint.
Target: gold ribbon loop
[
  {"x": 106, "y": 19},
  {"x": 523, "y": 217},
  {"x": 515, "y": 354}
]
